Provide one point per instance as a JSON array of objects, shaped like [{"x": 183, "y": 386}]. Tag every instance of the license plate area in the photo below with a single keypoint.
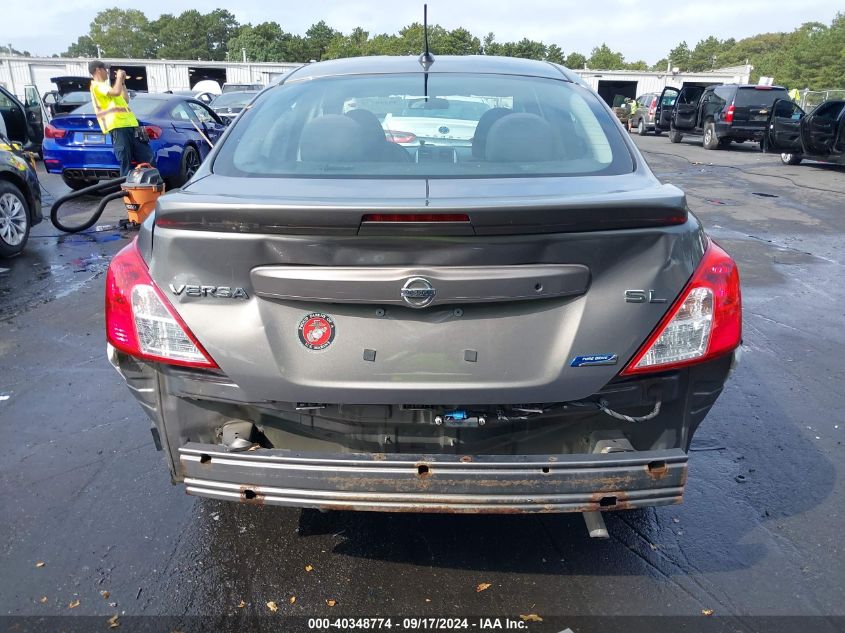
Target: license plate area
[{"x": 93, "y": 139}]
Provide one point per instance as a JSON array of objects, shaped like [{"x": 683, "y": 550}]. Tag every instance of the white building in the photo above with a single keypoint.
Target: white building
[
  {"x": 152, "y": 75},
  {"x": 633, "y": 83},
  {"x": 159, "y": 75}
]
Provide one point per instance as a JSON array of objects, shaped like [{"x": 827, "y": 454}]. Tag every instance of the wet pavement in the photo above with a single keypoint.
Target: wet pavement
[{"x": 760, "y": 531}]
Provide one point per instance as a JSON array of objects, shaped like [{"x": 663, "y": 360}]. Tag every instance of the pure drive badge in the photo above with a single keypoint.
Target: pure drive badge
[
  {"x": 595, "y": 359},
  {"x": 316, "y": 331}
]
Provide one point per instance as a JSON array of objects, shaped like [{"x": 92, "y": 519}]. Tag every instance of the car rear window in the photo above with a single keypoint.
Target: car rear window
[
  {"x": 760, "y": 97},
  {"x": 398, "y": 125},
  {"x": 139, "y": 106},
  {"x": 233, "y": 99}
]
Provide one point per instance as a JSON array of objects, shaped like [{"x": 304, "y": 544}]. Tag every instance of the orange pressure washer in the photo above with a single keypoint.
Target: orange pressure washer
[{"x": 139, "y": 189}]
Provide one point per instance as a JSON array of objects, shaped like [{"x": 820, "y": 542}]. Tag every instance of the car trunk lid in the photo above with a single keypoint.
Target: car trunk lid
[{"x": 300, "y": 301}]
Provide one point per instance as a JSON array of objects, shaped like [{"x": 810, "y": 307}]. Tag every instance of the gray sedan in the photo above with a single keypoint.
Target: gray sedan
[{"x": 523, "y": 321}]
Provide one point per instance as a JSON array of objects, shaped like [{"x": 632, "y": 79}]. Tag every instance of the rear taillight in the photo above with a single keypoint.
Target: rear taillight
[
  {"x": 53, "y": 132},
  {"x": 705, "y": 321},
  {"x": 153, "y": 131},
  {"x": 139, "y": 319},
  {"x": 729, "y": 114},
  {"x": 399, "y": 137}
]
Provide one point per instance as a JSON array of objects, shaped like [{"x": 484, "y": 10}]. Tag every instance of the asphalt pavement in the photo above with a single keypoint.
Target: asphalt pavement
[{"x": 91, "y": 525}]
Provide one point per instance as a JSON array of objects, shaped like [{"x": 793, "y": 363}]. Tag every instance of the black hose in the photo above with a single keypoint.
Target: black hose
[{"x": 97, "y": 188}]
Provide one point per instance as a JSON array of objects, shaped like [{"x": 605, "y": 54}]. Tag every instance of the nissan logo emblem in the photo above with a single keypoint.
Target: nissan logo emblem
[{"x": 418, "y": 292}]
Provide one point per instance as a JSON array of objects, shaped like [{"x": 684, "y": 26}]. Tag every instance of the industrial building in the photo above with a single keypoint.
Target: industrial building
[
  {"x": 160, "y": 75},
  {"x": 151, "y": 75}
]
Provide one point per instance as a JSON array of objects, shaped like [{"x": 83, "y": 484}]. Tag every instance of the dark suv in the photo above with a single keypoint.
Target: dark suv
[{"x": 720, "y": 114}]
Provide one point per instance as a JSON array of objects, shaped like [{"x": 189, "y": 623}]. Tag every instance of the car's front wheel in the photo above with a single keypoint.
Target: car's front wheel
[
  {"x": 674, "y": 135},
  {"x": 14, "y": 220},
  {"x": 790, "y": 159}
]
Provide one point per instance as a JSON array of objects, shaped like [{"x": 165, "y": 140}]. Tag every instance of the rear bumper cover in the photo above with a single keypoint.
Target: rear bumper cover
[{"x": 441, "y": 483}]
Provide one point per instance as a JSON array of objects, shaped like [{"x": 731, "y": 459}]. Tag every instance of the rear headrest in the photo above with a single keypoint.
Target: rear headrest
[
  {"x": 370, "y": 123},
  {"x": 521, "y": 137},
  {"x": 332, "y": 137},
  {"x": 479, "y": 138}
]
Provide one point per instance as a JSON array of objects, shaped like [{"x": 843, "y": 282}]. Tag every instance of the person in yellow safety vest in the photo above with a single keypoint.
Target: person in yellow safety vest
[{"x": 129, "y": 140}]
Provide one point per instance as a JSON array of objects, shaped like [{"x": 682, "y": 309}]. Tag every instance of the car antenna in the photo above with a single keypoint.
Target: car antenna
[{"x": 426, "y": 59}]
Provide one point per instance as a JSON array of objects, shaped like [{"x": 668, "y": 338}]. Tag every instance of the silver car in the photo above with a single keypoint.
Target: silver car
[
  {"x": 643, "y": 119},
  {"x": 527, "y": 321}
]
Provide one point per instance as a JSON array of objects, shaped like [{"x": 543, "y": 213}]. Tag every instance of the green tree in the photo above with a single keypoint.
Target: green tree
[
  {"x": 575, "y": 61},
  {"x": 603, "y": 58},
  {"x": 263, "y": 42},
  {"x": 317, "y": 39},
  {"x": 83, "y": 47},
  {"x": 680, "y": 56},
  {"x": 705, "y": 54},
  {"x": 123, "y": 33},
  {"x": 637, "y": 65},
  {"x": 554, "y": 54},
  {"x": 181, "y": 37},
  {"x": 460, "y": 42},
  {"x": 490, "y": 46},
  {"x": 221, "y": 26},
  {"x": 529, "y": 49}
]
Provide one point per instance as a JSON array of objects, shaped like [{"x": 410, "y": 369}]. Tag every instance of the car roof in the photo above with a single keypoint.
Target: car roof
[{"x": 482, "y": 64}]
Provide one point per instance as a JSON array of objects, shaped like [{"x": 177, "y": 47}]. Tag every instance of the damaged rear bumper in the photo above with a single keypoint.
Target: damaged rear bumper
[{"x": 441, "y": 483}]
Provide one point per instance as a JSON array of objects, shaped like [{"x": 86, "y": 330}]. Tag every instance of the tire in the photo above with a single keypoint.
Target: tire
[
  {"x": 14, "y": 220},
  {"x": 187, "y": 167},
  {"x": 710, "y": 139},
  {"x": 674, "y": 135},
  {"x": 77, "y": 183},
  {"x": 657, "y": 132},
  {"x": 641, "y": 129},
  {"x": 790, "y": 159}
]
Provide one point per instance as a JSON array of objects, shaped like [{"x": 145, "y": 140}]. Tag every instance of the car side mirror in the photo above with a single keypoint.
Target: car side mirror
[{"x": 50, "y": 98}]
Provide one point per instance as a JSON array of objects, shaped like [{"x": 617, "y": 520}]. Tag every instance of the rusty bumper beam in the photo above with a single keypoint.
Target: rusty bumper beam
[{"x": 436, "y": 483}]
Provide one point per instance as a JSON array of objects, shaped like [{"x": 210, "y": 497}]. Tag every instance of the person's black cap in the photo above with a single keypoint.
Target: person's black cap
[{"x": 94, "y": 64}]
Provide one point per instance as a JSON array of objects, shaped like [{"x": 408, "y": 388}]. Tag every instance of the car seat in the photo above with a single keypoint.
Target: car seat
[
  {"x": 521, "y": 137},
  {"x": 479, "y": 138},
  {"x": 378, "y": 147},
  {"x": 332, "y": 138}
]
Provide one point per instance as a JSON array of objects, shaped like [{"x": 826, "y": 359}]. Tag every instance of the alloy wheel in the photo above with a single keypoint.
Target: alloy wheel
[
  {"x": 13, "y": 220},
  {"x": 192, "y": 164}
]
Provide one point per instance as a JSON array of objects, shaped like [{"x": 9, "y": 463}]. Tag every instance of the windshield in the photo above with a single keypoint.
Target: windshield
[
  {"x": 75, "y": 97},
  {"x": 139, "y": 106},
  {"x": 384, "y": 126},
  {"x": 232, "y": 99},
  {"x": 759, "y": 97}
]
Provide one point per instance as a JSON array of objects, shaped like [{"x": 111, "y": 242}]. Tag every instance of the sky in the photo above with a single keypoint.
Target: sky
[{"x": 640, "y": 29}]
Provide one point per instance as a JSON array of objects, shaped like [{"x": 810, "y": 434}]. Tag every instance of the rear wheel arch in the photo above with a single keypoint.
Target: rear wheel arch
[{"x": 21, "y": 184}]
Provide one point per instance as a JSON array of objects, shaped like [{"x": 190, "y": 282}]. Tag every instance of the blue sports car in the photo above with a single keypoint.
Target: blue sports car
[{"x": 181, "y": 132}]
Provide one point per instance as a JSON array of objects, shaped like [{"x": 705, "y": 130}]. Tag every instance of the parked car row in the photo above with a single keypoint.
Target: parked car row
[{"x": 736, "y": 113}]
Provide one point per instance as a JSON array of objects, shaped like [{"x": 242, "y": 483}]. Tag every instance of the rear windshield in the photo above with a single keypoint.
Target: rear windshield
[
  {"x": 139, "y": 106},
  {"x": 762, "y": 97},
  {"x": 75, "y": 97},
  {"x": 456, "y": 125},
  {"x": 233, "y": 99}
]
